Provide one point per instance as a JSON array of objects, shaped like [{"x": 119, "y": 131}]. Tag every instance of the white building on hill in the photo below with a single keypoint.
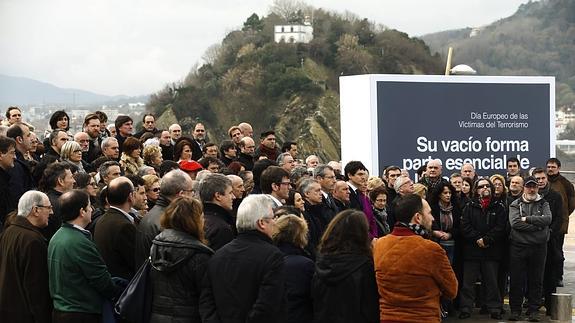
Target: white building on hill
[{"x": 293, "y": 33}]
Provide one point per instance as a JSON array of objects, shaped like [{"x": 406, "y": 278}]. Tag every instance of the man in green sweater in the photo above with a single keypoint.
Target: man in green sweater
[{"x": 79, "y": 279}]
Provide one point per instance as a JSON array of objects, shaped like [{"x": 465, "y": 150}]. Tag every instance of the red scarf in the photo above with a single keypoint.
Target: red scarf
[{"x": 485, "y": 202}]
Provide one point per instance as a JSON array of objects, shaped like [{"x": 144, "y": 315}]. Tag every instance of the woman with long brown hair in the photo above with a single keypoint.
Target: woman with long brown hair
[
  {"x": 179, "y": 257},
  {"x": 344, "y": 287}
]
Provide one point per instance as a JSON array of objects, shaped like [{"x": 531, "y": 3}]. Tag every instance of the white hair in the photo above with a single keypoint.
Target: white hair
[
  {"x": 253, "y": 208},
  {"x": 29, "y": 200}
]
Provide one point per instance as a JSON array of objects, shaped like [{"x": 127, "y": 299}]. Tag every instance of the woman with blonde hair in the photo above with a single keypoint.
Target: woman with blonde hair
[
  {"x": 152, "y": 185},
  {"x": 291, "y": 238},
  {"x": 153, "y": 157},
  {"x": 179, "y": 257},
  {"x": 71, "y": 153}
]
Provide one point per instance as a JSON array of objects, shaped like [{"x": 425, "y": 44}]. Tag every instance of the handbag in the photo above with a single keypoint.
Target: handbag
[{"x": 135, "y": 303}]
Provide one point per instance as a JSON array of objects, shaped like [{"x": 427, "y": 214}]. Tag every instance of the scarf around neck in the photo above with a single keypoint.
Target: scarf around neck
[{"x": 416, "y": 228}]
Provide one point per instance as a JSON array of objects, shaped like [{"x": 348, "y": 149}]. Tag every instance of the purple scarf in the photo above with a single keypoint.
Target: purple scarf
[{"x": 366, "y": 205}]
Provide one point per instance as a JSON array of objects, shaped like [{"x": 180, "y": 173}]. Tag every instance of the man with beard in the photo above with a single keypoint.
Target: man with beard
[
  {"x": 515, "y": 189},
  {"x": 530, "y": 218},
  {"x": 411, "y": 271}
]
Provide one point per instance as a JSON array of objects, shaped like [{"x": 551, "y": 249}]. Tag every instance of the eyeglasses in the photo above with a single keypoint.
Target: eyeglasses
[
  {"x": 484, "y": 186},
  {"x": 156, "y": 189},
  {"x": 45, "y": 206}
]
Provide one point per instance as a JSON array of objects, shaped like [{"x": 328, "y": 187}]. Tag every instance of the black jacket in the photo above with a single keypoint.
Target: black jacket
[
  {"x": 148, "y": 229},
  {"x": 7, "y": 203},
  {"x": 316, "y": 222},
  {"x": 299, "y": 270},
  {"x": 247, "y": 160},
  {"x": 179, "y": 263},
  {"x": 344, "y": 289},
  {"x": 556, "y": 207},
  {"x": 488, "y": 224},
  {"x": 245, "y": 282},
  {"x": 21, "y": 179},
  {"x": 55, "y": 220},
  {"x": 220, "y": 226}
]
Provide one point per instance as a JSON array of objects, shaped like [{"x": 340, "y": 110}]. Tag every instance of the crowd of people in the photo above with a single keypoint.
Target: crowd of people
[{"x": 238, "y": 231}]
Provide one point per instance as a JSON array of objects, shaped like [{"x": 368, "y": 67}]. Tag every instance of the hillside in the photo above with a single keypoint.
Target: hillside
[
  {"x": 292, "y": 88},
  {"x": 539, "y": 39}
]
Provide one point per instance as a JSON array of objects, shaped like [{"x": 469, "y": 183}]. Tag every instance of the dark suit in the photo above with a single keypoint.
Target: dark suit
[
  {"x": 115, "y": 237},
  {"x": 354, "y": 201}
]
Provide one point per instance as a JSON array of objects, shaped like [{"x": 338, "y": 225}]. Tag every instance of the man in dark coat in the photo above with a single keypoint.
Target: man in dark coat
[
  {"x": 58, "y": 180},
  {"x": 20, "y": 175},
  {"x": 92, "y": 128},
  {"x": 175, "y": 183},
  {"x": 553, "y": 259},
  {"x": 24, "y": 293},
  {"x": 245, "y": 280},
  {"x": 7, "y": 158},
  {"x": 217, "y": 196},
  {"x": 115, "y": 232}
]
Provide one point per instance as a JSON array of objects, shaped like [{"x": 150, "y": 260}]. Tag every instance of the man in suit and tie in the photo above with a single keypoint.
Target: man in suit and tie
[
  {"x": 325, "y": 176},
  {"x": 356, "y": 175},
  {"x": 115, "y": 232}
]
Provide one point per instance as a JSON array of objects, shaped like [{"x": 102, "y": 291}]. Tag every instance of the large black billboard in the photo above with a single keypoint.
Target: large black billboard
[{"x": 483, "y": 123}]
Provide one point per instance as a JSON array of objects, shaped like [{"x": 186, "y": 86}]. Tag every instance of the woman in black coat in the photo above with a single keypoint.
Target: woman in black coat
[
  {"x": 291, "y": 238},
  {"x": 179, "y": 259},
  {"x": 446, "y": 215},
  {"x": 344, "y": 287}
]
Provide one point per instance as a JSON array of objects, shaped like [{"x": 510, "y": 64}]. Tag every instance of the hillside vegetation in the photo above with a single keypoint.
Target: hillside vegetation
[
  {"x": 292, "y": 88},
  {"x": 539, "y": 39}
]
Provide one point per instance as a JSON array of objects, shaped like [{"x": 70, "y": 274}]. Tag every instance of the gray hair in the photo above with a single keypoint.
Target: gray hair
[
  {"x": 215, "y": 183},
  {"x": 305, "y": 185},
  {"x": 203, "y": 174},
  {"x": 29, "y": 200},
  {"x": 105, "y": 167},
  {"x": 106, "y": 142},
  {"x": 399, "y": 182},
  {"x": 320, "y": 170},
  {"x": 253, "y": 208},
  {"x": 174, "y": 182},
  {"x": 68, "y": 148},
  {"x": 144, "y": 170},
  {"x": 280, "y": 159}
]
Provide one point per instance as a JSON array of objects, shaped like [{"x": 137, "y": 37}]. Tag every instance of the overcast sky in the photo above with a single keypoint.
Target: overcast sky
[{"x": 135, "y": 47}]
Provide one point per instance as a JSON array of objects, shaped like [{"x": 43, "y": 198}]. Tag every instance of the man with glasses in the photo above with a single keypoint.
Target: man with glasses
[
  {"x": 245, "y": 279},
  {"x": 275, "y": 182},
  {"x": 530, "y": 218},
  {"x": 24, "y": 294},
  {"x": 286, "y": 161}
]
